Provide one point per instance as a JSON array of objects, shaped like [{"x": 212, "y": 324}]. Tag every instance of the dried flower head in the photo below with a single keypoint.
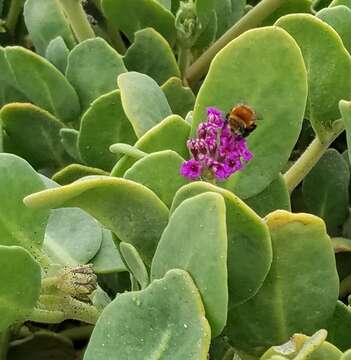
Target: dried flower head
[{"x": 216, "y": 152}]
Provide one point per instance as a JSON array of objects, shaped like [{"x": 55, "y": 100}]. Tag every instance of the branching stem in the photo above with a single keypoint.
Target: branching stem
[
  {"x": 310, "y": 157},
  {"x": 252, "y": 19}
]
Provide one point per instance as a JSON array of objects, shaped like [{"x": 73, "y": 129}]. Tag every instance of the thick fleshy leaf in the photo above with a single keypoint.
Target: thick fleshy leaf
[
  {"x": 108, "y": 259},
  {"x": 43, "y": 84},
  {"x": 135, "y": 15},
  {"x": 346, "y": 355},
  {"x": 328, "y": 67},
  {"x": 207, "y": 35},
  {"x": 228, "y": 13},
  {"x": 135, "y": 264},
  {"x": 275, "y": 63},
  {"x": 166, "y": 320},
  {"x": 248, "y": 242},
  {"x": 92, "y": 68},
  {"x": 339, "y": 327},
  {"x": 74, "y": 172},
  {"x": 345, "y": 110},
  {"x": 171, "y": 134},
  {"x": 300, "y": 242},
  {"x": 166, "y": 3},
  {"x": 289, "y": 7},
  {"x": 341, "y": 2},
  {"x": 18, "y": 224},
  {"x": 69, "y": 141},
  {"x": 36, "y": 133},
  {"x": 143, "y": 101},
  {"x": 181, "y": 99},
  {"x": 45, "y": 21},
  {"x": 326, "y": 190},
  {"x": 102, "y": 125},
  {"x": 57, "y": 53},
  {"x": 302, "y": 347},
  {"x": 72, "y": 237},
  {"x": 151, "y": 54},
  {"x": 339, "y": 18},
  {"x": 42, "y": 345},
  {"x": 19, "y": 286},
  {"x": 195, "y": 240},
  {"x": 274, "y": 197},
  {"x": 160, "y": 172},
  {"x": 133, "y": 212}
]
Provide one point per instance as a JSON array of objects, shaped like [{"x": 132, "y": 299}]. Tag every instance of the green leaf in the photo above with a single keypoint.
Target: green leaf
[
  {"x": 19, "y": 286},
  {"x": 102, "y": 125},
  {"x": 43, "y": 84},
  {"x": 45, "y": 21},
  {"x": 248, "y": 242},
  {"x": 167, "y": 165},
  {"x": 151, "y": 54},
  {"x": 170, "y": 134},
  {"x": 181, "y": 99},
  {"x": 74, "y": 172},
  {"x": 144, "y": 112},
  {"x": 204, "y": 9},
  {"x": 57, "y": 53},
  {"x": 328, "y": 67},
  {"x": 274, "y": 197},
  {"x": 289, "y": 7},
  {"x": 207, "y": 36},
  {"x": 338, "y": 17},
  {"x": 345, "y": 110},
  {"x": 36, "y": 133},
  {"x": 346, "y": 355},
  {"x": 133, "y": 212},
  {"x": 135, "y": 264},
  {"x": 166, "y": 3},
  {"x": 289, "y": 301},
  {"x": 72, "y": 237},
  {"x": 195, "y": 240},
  {"x": 128, "y": 150},
  {"x": 326, "y": 190},
  {"x": 302, "y": 347},
  {"x": 69, "y": 141},
  {"x": 108, "y": 259},
  {"x": 341, "y": 2},
  {"x": 339, "y": 327},
  {"x": 92, "y": 68},
  {"x": 18, "y": 224},
  {"x": 166, "y": 320},
  {"x": 135, "y": 15},
  {"x": 228, "y": 13},
  {"x": 42, "y": 345},
  {"x": 275, "y": 63}
]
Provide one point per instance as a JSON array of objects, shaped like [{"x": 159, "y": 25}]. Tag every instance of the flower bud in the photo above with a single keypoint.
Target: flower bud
[{"x": 78, "y": 282}]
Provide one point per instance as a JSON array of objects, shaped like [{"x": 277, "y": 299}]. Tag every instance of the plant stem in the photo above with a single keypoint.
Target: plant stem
[
  {"x": 46, "y": 316},
  {"x": 71, "y": 308},
  {"x": 78, "y": 333},
  {"x": 4, "y": 343},
  {"x": 183, "y": 62},
  {"x": 252, "y": 19},
  {"x": 310, "y": 157},
  {"x": 13, "y": 14},
  {"x": 77, "y": 18},
  {"x": 345, "y": 286}
]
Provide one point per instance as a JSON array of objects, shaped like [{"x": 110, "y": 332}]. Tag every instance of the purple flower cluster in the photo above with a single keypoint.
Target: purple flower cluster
[{"x": 217, "y": 152}]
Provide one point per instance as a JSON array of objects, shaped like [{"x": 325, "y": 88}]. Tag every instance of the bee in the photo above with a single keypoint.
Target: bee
[{"x": 242, "y": 120}]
